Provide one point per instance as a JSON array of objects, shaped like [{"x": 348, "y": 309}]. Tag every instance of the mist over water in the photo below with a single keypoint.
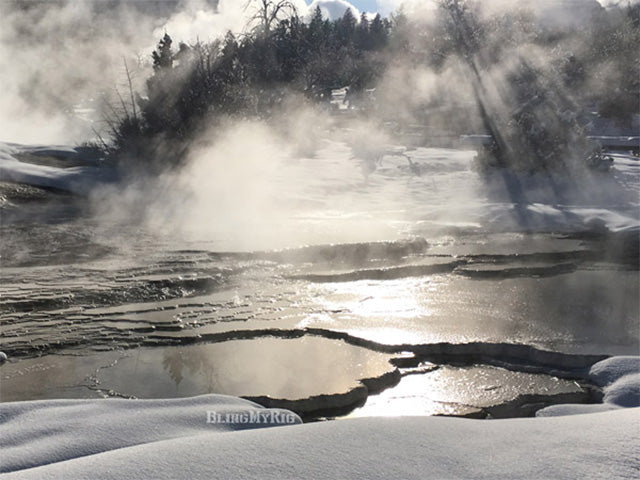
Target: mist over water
[
  {"x": 64, "y": 70},
  {"x": 62, "y": 61},
  {"x": 306, "y": 175}
]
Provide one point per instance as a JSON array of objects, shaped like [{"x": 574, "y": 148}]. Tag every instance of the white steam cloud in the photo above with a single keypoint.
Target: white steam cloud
[
  {"x": 55, "y": 57},
  {"x": 62, "y": 60},
  {"x": 333, "y": 9}
]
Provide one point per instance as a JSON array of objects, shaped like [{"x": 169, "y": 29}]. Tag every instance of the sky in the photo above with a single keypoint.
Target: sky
[
  {"x": 387, "y": 6},
  {"x": 374, "y": 6},
  {"x": 365, "y": 5}
]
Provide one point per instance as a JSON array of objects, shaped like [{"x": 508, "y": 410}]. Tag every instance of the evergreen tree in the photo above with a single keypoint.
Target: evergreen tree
[
  {"x": 345, "y": 28},
  {"x": 363, "y": 37},
  {"x": 378, "y": 32},
  {"x": 163, "y": 55}
]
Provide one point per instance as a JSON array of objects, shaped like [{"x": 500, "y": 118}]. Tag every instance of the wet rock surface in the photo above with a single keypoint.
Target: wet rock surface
[{"x": 510, "y": 322}]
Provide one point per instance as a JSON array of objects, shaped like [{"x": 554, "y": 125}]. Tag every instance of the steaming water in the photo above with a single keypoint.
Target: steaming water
[{"x": 391, "y": 257}]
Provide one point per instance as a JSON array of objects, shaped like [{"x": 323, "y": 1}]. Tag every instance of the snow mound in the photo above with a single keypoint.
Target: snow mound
[
  {"x": 574, "y": 409},
  {"x": 601, "y": 445},
  {"x": 620, "y": 379},
  {"x": 608, "y": 371},
  {"x": 81, "y": 179},
  {"x": 42, "y": 432},
  {"x": 624, "y": 392}
]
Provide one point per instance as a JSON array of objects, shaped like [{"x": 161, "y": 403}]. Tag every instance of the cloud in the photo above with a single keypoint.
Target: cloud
[
  {"x": 333, "y": 9},
  {"x": 410, "y": 7},
  {"x": 199, "y": 21}
]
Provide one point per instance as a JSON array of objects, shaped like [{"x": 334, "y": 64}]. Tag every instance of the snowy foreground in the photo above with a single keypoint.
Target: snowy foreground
[{"x": 215, "y": 436}]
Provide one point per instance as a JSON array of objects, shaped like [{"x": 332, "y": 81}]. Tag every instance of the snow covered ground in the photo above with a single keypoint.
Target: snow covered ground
[
  {"x": 172, "y": 439},
  {"x": 404, "y": 192}
]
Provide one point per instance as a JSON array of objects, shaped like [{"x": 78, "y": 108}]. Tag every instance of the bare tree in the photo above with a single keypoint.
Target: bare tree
[{"x": 266, "y": 13}]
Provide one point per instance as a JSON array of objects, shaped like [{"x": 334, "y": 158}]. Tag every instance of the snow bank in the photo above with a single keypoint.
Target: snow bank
[
  {"x": 78, "y": 179},
  {"x": 42, "y": 432},
  {"x": 624, "y": 392},
  {"x": 575, "y": 409},
  {"x": 601, "y": 445},
  {"x": 608, "y": 371},
  {"x": 619, "y": 378}
]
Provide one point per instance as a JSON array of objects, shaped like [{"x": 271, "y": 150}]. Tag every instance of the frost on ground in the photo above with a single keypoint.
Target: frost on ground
[{"x": 172, "y": 439}]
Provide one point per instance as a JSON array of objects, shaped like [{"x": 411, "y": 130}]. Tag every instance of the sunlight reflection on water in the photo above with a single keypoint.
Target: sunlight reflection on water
[{"x": 459, "y": 391}]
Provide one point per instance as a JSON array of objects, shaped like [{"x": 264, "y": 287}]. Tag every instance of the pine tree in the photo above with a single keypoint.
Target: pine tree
[
  {"x": 163, "y": 56},
  {"x": 346, "y": 28}
]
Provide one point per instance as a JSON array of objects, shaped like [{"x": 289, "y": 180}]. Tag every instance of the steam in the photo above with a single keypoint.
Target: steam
[
  {"x": 57, "y": 59},
  {"x": 248, "y": 185},
  {"x": 233, "y": 185},
  {"x": 60, "y": 62},
  {"x": 333, "y": 9}
]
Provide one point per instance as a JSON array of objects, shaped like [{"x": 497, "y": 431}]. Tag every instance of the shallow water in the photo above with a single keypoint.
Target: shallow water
[
  {"x": 460, "y": 391},
  {"x": 409, "y": 297},
  {"x": 279, "y": 368},
  {"x": 120, "y": 325}
]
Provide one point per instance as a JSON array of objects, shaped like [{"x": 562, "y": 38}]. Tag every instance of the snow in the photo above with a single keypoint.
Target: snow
[
  {"x": 217, "y": 436},
  {"x": 447, "y": 192},
  {"x": 575, "y": 409},
  {"x": 118, "y": 438},
  {"x": 170, "y": 439},
  {"x": 79, "y": 180},
  {"x": 624, "y": 392},
  {"x": 608, "y": 371},
  {"x": 41, "y": 432},
  {"x": 619, "y": 378}
]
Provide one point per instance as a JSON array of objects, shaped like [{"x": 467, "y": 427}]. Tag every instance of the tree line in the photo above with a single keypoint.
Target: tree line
[
  {"x": 246, "y": 76},
  {"x": 283, "y": 55}
]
